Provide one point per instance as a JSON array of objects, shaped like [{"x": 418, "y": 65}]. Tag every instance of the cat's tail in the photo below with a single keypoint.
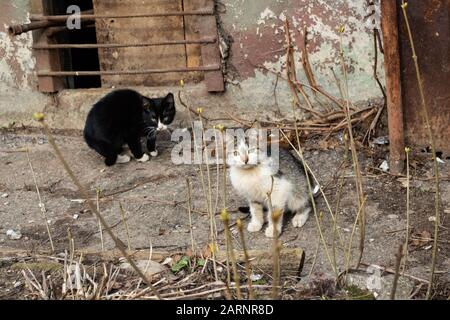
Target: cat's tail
[{"x": 308, "y": 175}]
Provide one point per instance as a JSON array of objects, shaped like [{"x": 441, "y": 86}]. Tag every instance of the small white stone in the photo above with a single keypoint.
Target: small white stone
[
  {"x": 14, "y": 235},
  {"x": 384, "y": 166},
  {"x": 392, "y": 216},
  {"x": 255, "y": 277},
  {"x": 432, "y": 219},
  {"x": 5, "y": 195},
  {"x": 75, "y": 216}
]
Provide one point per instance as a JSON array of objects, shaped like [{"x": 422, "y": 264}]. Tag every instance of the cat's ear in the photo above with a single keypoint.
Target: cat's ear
[
  {"x": 146, "y": 103},
  {"x": 169, "y": 101}
]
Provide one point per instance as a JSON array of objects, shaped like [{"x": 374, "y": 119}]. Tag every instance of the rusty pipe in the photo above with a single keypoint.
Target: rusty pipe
[
  {"x": 389, "y": 26},
  {"x": 84, "y": 17},
  {"x": 124, "y": 45},
  {"x": 124, "y": 72},
  {"x": 18, "y": 29}
]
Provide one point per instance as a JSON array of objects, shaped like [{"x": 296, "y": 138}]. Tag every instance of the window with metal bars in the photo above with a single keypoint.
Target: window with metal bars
[{"x": 125, "y": 43}]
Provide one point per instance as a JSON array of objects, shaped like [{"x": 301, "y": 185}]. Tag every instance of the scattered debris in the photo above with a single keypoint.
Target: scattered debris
[
  {"x": 13, "y": 235},
  {"x": 384, "y": 166},
  {"x": 381, "y": 140},
  {"x": 379, "y": 284},
  {"x": 78, "y": 200},
  {"x": 421, "y": 238},
  {"x": 439, "y": 160}
]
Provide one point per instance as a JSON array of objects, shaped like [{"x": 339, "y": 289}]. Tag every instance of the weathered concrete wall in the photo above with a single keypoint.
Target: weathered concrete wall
[
  {"x": 256, "y": 31},
  {"x": 18, "y": 83},
  {"x": 257, "y": 28}
]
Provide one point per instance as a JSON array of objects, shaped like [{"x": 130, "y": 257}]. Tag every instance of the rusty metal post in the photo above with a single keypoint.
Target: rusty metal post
[{"x": 393, "y": 85}]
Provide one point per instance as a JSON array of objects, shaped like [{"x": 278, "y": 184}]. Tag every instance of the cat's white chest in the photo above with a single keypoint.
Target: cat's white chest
[{"x": 252, "y": 184}]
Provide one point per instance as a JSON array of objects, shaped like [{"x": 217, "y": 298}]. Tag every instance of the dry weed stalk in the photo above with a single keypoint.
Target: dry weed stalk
[
  {"x": 291, "y": 76},
  {"x": 356, "y": 167},
  {"x": 230, "y": 249},
  {"x": 123, "y": 215},
  {"x": 350, "y": 242},
  {"x": 398, "y": 261},
  {"x": 248, "y": 266},
  {"x": 100, "y": 229},
  {"x": 189, "y": 200},
  {"x": 198, "y": 153},
  {"x": 433, "y": 149},
  {"x": 405, "y": 253},
  {"x": 41, "y": 204},
  {"x": 119, "y": 244}
]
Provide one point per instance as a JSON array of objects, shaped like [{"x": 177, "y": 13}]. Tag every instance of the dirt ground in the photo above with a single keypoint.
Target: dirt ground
[{"x": 154, "y": 197}]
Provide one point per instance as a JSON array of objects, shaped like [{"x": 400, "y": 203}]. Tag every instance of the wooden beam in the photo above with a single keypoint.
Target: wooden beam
[
  {"x": 210, "y": 52},
  {"x": 46, "y": 60},
  {"x": 291, "y": 259}
]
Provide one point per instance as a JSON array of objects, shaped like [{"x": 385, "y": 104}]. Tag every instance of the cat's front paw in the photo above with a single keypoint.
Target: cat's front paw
[
  {"x": 254, "y": 226},
  {"x": 144, "y": 158},
  {"x": 154, "y": 153},
  {"x": 299, "y": 220},
  {"x": 269, "y": 231},
  {"x": 123, "y": 158}
]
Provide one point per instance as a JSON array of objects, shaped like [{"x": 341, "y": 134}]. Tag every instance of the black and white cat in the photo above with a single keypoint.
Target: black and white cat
[{"x": 123, "y": 117}]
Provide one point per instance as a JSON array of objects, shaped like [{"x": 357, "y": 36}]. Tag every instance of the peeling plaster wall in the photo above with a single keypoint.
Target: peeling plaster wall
[
  {"x": 257, "y": 30},
  {"x": 18, "y": 82}
]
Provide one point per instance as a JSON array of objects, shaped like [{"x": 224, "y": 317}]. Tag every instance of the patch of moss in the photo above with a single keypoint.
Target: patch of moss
[
  {"x": 37, "y": 266},
  {"x": 355, "y": 293}
]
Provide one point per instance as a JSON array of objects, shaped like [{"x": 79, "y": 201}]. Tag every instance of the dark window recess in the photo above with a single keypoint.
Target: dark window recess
[{"x": 78, "y": 59}]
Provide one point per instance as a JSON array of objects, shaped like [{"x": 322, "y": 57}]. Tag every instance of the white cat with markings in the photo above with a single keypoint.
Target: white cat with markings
[{"x": 254, "y": 176}]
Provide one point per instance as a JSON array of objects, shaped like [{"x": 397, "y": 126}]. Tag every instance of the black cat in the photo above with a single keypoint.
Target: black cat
[{"x": 123, "y": 117}]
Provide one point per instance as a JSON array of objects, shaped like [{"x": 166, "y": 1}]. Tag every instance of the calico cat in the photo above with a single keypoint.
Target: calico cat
[
  {"x": 251, "y": 173},
  {"x": 123, "y": 117}
]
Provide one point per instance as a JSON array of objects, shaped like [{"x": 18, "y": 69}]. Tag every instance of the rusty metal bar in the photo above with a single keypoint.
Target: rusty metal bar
[
  {"x": 393, "y": 86},
  {"x": 124, "y": 45},
  {"x": 18, "y": 29},
  {"x": 121, "y": 72},
  {"x": 116, "y": 16}
]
